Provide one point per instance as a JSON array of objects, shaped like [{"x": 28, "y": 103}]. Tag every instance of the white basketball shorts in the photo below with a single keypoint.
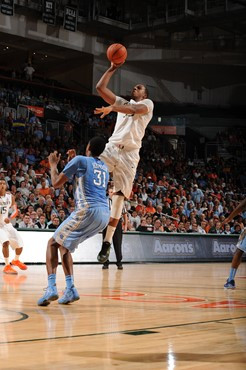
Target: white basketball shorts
[
  {"x": 123, "y": 164},
  {"x": 9, "y": 234}
]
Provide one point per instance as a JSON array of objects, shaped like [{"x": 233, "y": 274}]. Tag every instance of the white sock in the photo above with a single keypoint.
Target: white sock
[
  {"x": 109, "y": 234},
  {"x": 6, "y": 260},
  {"x": 17, "y": 257}
]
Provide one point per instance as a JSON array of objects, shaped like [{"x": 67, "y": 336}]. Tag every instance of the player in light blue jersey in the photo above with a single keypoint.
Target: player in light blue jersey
[{"x": 90, "y": 178}]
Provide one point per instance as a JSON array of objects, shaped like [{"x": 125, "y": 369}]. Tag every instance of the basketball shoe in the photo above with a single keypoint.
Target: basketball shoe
[
  {"x": 8, "y": 269},
  {"x": 70, "y": 295},
  {"x": 230, "y": 284},
  {"x": 50, "y": 295},
  {"x": 19, "y": 264},
  {"x": 103, "y": 255}
]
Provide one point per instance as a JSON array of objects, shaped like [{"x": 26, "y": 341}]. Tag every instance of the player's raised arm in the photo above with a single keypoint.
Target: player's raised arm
[
  {"x": 102, "y": 84},
  {"x": 57, "y": 179}
]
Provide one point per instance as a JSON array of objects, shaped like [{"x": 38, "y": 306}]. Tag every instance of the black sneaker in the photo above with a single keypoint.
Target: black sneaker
[
  {"x": 105, "y": 267},
  {"x": 103, "y": 255},
  {"x": 230, "y": 284},
  {"x": 120, "y": 267}
]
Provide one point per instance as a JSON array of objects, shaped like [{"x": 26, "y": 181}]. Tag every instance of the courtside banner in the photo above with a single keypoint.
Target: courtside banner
[
  {"x": 70, "y": 18},
  {"x": 7, "y": 7},
  {"x": 49, "y": 12},
  {"x": 140, "y": 247}
]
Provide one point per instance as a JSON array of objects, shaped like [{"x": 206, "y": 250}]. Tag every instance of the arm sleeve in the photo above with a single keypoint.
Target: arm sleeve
[{"x": 77, "y": 165}]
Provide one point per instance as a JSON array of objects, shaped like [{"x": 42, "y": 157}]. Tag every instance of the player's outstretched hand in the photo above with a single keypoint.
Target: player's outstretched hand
[
  {"x": 103, "y": 111},
  {"x": 115, "y": 66},
  {"x": 54, "y": 158},
  {"x": 71, "y": 153}
]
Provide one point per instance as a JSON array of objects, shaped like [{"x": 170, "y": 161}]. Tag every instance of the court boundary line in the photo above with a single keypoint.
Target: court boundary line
[
  {"x": 120, "y": 331},
  {"x": 24, "y": 316}
]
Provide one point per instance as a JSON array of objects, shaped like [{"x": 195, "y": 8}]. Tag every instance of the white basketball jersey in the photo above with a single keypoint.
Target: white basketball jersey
[
  {"x": 5, "y": 204},
  {"x": 129, "y": 129}
]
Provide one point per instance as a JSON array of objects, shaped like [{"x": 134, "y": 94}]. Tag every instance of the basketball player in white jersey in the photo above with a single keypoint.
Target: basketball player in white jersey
[
  {"x": 8, "y": 234},
  {"x": 122, "y": 151}
]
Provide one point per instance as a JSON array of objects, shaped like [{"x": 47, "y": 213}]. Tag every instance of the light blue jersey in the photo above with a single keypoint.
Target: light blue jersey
[{"x": 90, "y": 178}]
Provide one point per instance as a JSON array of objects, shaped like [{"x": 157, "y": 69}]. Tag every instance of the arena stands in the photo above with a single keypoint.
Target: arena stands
[{"x": 171, "y": 193}]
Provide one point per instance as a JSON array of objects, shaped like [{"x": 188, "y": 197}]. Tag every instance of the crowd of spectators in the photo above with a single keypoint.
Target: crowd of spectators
[{"x": 171, "y": 193}]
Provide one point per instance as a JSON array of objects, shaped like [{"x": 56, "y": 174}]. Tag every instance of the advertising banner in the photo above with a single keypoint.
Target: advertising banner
[{"x": 139, "y": 247}]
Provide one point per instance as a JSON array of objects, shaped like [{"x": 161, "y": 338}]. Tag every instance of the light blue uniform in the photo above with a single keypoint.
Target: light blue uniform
[
  {"x": 242, "y": 241},
  {"x": 90, "y": 178}
]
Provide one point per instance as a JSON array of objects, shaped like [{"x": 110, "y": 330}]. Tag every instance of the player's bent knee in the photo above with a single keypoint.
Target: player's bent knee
[{"x": 117, "y": 205}]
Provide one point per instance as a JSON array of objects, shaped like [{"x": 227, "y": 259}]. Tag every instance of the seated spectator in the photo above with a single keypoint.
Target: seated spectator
[
  {"x": 26, "y": 223},
  {"x": 202, "y": 227},
  {"x": 40, "y": 203},
  {"x": 134, "y": 201},
  {"x": 140, "y": 207},
  {"x": 150, "y": 208},
  {"x": 23, "y": 190},
  {"x": 217, "y": 229},
  {"x": 55, "y": 223},
  {"x": 61, "y": 215},
  {"x": 181, "y": 228},
  {"x": 158, "y": 212},
  {"x": 166, "y": 210},
  {"x": 144, "y": 227},
  {"x": 194, "y": 227},
  {"x": 33, "y": 217},
  {"x": 209, "y": 225},
  {"x": 134, "y": 219},
  {"x": 13, "y": 181},
  {"x": 197, "y": 194},
  {"x": 158, "y": 226},
  {"x": 237, "y": 229},
  {"x": 41, "y": 223},
  {"x": 44, "y": 190},
  {"x": 20, "y": 201},
  {"x": 227, "y": 229}
]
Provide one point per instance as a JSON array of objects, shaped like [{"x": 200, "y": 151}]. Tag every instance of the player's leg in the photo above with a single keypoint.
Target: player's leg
[
  {"x": 106, "y": 264},
  {"x": 16, "y": 244},
  {"x": 116, "y": 211},
  {"x": 117, "y": 242},
  {"x": 16, "y": 261},
  {"x": 51, "y": 293},
  {"x": 8, "y": 269},
  {"x": 70, "y": 295},
  {"x": 123, "y": 177},
  {"x": 230, "y": 283},
  {"x": 4, "y": 241}
]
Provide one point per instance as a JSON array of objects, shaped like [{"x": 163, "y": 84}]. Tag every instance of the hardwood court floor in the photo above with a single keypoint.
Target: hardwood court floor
[{"x": 148, "y": 316}]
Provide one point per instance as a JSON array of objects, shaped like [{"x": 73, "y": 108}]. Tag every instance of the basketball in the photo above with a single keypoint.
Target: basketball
[{"x": 116, "y": 53}]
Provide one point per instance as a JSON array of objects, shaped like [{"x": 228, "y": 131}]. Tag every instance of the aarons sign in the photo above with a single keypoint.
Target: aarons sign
[
  {"x": 164, "y": 248},
  {"x": 222, "y": 248}
]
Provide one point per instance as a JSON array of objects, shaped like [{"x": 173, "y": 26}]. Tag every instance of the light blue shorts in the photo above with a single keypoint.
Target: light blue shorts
[
  {"x": 81, "y": 225},
  {"x": 242, "y": 241}
]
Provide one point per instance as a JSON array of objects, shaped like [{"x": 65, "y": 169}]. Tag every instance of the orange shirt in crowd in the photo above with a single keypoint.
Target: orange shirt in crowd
[
  {"x": 151, "y": 210},
  {"x": 44, "y": 191}
]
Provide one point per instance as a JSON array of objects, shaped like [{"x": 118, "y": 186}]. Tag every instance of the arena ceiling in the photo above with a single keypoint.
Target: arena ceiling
[{"x": 212, "y": 41}]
